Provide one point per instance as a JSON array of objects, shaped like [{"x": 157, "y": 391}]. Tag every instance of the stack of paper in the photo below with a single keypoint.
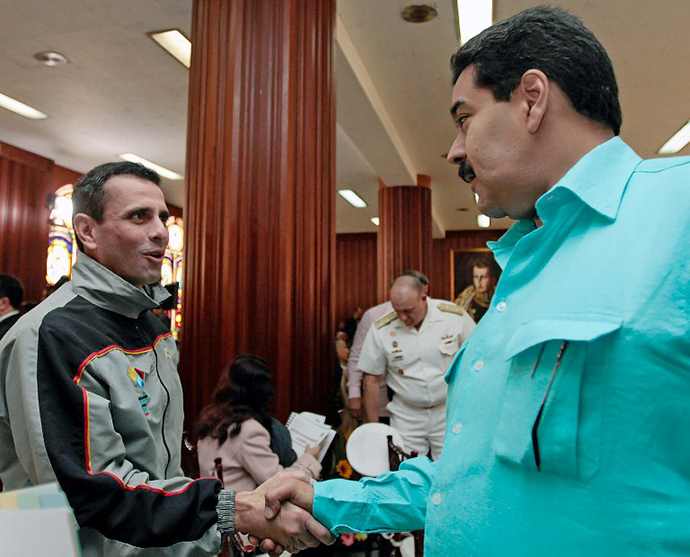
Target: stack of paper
[
  {"x": 44, "y": 510},
  {"x": 310, "y": 430}
]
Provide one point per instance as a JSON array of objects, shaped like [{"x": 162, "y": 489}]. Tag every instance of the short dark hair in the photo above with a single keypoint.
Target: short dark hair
[
  {"x": 88, "y": 196},
  {"x": 555, "y": 42},
  {"x": 11, "y": 288},
  {"x": 421, "y": 277},
  {"x": 485, "y": 262},
  {"x": 244, "y": 391}
]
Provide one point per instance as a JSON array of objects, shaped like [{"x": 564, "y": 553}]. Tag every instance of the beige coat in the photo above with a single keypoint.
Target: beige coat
[{"x": 248, "y": 460}]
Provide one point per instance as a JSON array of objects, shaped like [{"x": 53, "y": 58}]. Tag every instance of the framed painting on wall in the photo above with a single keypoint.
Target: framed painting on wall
[{"x": 473, "y": 277}]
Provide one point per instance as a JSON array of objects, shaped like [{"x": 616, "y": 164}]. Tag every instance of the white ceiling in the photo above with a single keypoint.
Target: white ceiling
[{"x": 122, "y": 93}]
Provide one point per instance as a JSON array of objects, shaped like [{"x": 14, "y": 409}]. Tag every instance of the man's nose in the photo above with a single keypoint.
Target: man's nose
[
  {"x": 457, "y": 152},
  {"x": 159, "y": 231}
]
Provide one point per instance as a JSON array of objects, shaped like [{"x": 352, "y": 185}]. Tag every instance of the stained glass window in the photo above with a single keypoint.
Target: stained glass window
[
  {"x": 62, "y": 248},
  {"x": 172, "y": 269}
]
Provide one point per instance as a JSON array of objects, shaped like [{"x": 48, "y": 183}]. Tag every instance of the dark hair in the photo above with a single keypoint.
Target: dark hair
[
  {"x": 485, "y": 262},
  {"x": 11, "y": 288},
  {"x": 555, "y": 42},
  {"x": 244, "y": 391},
  {"x": 421, "y": 277},
  {"x": 88, "y": 196}
]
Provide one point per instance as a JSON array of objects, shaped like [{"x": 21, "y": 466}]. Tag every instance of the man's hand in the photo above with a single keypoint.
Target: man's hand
[
  {"x": 354, "y": 405},
  {"x": 272, "y": 513},
  {"x": 283, "y": 487}
]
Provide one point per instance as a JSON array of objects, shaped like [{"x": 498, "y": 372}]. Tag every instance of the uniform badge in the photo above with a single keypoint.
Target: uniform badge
[
  {"x": 392, "y": 333},
  {"x": 395, "y": 344},
  {"x": 400, "y": 371},
  {"x": 137, "y": 377}
]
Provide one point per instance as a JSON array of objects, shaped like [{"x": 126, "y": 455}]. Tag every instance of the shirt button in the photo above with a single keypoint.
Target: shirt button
[
  {"x": 457, "y": 426},
  {"x": 501, "y": 306},
  {"x": 478, "y": 365},
  {"x": 436, "y": 498}
]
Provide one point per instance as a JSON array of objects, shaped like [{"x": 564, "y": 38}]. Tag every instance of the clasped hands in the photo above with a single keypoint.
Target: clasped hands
[{"x": 278, "y": 514}]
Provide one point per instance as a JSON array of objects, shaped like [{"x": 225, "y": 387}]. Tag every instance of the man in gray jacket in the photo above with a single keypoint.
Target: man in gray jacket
[{"x": 90, "y": 396}]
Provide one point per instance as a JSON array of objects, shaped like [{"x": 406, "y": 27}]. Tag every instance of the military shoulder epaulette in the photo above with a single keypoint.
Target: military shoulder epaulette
[
  {"x": 392, "y": 316},
  {"x": 451, "y": 308}
]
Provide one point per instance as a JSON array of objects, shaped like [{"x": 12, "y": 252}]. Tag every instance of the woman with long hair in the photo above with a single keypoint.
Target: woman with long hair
[{"x": 237, "y": 427}]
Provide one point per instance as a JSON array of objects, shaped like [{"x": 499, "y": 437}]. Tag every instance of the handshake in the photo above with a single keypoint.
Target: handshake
[{"x": 278, "y": 514}]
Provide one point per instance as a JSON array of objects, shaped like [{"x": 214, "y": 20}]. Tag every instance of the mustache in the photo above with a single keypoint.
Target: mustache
[{"x": 466, "y": 172}]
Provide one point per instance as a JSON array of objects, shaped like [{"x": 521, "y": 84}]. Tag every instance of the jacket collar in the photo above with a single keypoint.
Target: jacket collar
[{"x": 103, "y": 288}]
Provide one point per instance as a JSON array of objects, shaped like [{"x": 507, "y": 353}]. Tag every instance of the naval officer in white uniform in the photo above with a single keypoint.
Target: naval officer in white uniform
[{"x": 415, "y": 345}]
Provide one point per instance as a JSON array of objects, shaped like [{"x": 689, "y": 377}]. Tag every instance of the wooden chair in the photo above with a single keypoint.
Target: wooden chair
[
  {"x": 190, "y": 467},
  {"x": 390, "y": 547},
  {"x": 395, "y": 458},
  {"x": 229, "y": 549}
]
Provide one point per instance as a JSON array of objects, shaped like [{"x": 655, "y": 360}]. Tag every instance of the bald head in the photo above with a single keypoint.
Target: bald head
[{"x": 409, "y": 300}]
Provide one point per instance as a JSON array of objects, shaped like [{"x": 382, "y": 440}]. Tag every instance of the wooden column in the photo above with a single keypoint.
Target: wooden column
[
  {"x": 260, "y": 211},
  {"x": 404, "y": 235}
]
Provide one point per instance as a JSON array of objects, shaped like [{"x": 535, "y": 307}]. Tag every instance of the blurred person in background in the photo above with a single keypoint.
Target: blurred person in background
[{"x": 237, "y": 427}]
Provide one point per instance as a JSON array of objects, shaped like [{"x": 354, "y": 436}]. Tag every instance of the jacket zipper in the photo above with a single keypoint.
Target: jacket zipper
[{"x": 148, "y": 340}]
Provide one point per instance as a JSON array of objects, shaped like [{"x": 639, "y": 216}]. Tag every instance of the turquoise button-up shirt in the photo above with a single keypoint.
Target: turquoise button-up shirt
[{"x": 568, "y": 417}]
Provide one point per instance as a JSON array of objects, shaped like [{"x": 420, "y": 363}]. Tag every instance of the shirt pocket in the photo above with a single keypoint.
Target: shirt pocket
[
  {"x": 551, "y": 415},
  {"x": 449, "y": 345}
]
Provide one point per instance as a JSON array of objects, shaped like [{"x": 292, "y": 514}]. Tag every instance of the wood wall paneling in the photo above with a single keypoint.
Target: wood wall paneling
[
  {"x": 355, "y": 273},
  {"x": 25, "y": 183},
  {"x": 356, "y": 261}
]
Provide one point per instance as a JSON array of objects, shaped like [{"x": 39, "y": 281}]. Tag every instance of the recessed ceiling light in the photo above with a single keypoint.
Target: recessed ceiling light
[
  {"x": 473, "y": 17},
  {"x": 20, "y": 108},
  {"x": 483, "y": 221},
  {"x": 375, "y": 220},
  {"x": 419, "y": 13},
  {"x": 176, "y": 44},
  {"x": 679, "y": 140},
  {"x": 169, "y": 174},
  {"x": 352, "y": 198},
  {"x": 49, "y": 58}
]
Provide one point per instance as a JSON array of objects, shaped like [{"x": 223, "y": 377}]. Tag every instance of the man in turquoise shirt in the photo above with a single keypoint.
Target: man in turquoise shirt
[{"x": 567, "y": 417}]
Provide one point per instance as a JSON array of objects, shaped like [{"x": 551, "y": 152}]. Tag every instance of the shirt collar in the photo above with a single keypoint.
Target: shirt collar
[
  {"x": 503, "y": 247},
  {"x": 598, "y": 179},
  {"x": 103, "y": 288},
  {"x": 8, "y": 315},
  {"x": 432, "y": 314}
]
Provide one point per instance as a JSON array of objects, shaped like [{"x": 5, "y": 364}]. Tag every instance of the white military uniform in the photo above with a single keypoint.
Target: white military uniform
[{"x": 417, "y": 361}]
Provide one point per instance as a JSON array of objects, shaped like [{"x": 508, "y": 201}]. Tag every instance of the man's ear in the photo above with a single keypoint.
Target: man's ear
[
  {"x": 85, "y": 229},
  {"x": 4, "y": 303},
  {"x": 534, "y": 89}
]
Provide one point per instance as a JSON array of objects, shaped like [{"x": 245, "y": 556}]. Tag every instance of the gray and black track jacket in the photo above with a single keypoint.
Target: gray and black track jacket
[{"x": 90, "y": 397}]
